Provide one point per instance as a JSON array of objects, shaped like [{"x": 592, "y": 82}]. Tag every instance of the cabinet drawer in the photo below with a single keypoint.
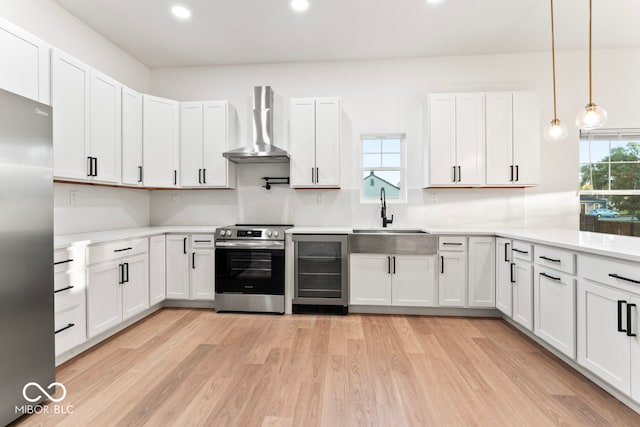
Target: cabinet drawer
[
  {"x": 69, "y": 290},
  {"x": 452, "y": 243},
  {"x": 202, "y": 241},
  {"x": 70, "y": 328},
  {"x": 114, "y": 250},
  {"x": 67, "y": 259},
  {"x": 609, "y": 271},
  {"x": 522, "y": 250},
  {"x": 557, "y": 259}
]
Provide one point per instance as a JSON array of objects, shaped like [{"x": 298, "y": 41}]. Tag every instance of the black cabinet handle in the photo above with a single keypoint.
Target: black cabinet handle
[
  {"x": 441, "y": 265},
  {"x": 199, "y": 176},
  {"x": 388, "y": 265},
  {"x": 615, "y": 276},
  {"x": 629, "y": 323},
  {"x": 193, "y": 260},
  {"x": 184, "y": 245},
  {"x": 90, "y": 166},
  {"x": 394, "y": 265},
  {"x": 122, "y": 250},
  {"x": 95, "y": 168},
  {"x": 511, "y": 179},
  {"x": 139, "y": 173},
  {"x": 620, "y": 329},
  {"x": 519, "y": 251},
  {"x": 63, "y": 289},
  {"x": 506, "y": 253},
  {"x": 126, "y": 271},
  {"x": 557, "y": 279},
  {"x": 204, "y": 176},
  {"x": 459, "y": 174},
  {"x": 120, "y": 274},
  {"x": 69, "y": 325},
  {"x": 452, "y": 244},
  {"x": 63, "y": 262},
  {"x": 454, "y": 174},
  {"x": 313, "y": 179},
  {"x": 175, "y": 177},
  {"x": 202, "y": 241},
  {"x": 517, "y": 173},
  {"x": 317, "y": 175},
  {"x": 511, "y": 273},
  {"x": 549, "y": 259}
]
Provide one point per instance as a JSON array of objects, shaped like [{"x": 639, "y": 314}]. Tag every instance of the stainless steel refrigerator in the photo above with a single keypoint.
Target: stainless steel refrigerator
[{"x": 26, "y": 250}]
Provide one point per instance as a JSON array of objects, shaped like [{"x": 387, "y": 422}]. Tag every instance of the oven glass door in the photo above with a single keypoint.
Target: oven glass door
[{"x": 250, "y": 271}]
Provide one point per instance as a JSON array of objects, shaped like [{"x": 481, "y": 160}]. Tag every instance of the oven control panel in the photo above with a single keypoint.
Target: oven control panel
[
  {"x": 250, "y": 233},
  {"x": 244, "y": 232}
]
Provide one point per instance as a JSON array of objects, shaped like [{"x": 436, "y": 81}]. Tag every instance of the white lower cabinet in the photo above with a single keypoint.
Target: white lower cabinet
[
  {"x": 523, "y": 293},
  {"x": 157, "y": 269},
  {"x": 554, "y": 309},
  {"x": 482, "y": 272},
  {"x": 398, "y": 280},
  {"x": 514, "y": 280},
  {"x": 504, "y": 276},
  {"x": 118, "y": 285},
  {"x": 452, "y": 281},
  {"x": 190, "y": 267}
]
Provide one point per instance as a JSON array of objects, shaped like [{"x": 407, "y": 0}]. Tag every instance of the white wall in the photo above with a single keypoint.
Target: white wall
[
  {"x": 387, "y": 96},
  {"x": 50, "y": 22}
]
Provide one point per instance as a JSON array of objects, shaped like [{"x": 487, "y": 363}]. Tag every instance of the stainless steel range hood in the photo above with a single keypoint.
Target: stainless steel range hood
[{"x": 261, "y": 150}]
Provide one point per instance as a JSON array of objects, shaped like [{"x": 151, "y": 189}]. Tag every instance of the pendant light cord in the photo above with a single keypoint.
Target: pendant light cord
[
  {"x": 590, "y": 49},
  {"x": 553, "y": 62}
]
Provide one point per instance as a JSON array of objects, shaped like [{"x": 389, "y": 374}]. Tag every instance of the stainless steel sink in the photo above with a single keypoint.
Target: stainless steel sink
[
  {"x": 393, "y": 241},
  {"x": 389, "y": 231}
]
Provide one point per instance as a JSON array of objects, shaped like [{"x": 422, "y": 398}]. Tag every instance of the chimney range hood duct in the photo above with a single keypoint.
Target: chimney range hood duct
[{"x": 262, "y": 150}]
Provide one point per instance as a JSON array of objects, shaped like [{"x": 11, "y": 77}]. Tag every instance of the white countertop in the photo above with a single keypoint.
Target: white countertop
[{"x": 624, "y": 247}]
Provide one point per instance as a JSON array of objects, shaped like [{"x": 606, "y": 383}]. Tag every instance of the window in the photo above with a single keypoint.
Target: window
[
  {"x": 383, "y": 165},
  {"x": 610, "y": 181}
]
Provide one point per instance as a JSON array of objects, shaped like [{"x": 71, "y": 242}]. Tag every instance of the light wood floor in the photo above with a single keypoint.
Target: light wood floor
[{"x": 183, "y": 367}]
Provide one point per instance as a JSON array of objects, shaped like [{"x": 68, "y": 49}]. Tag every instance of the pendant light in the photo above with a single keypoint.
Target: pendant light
[
  {"x": 593, "y": 116},
  {"x": 555, "y": 130}
]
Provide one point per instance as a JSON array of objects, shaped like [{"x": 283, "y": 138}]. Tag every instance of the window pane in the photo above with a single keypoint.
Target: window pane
[
  {"x": 584, "y": 151},
  {"x": 373, "y": 181},
  {"x": 585, "y": 177},
  {"x": 610, "y": 214},
  {"x": 599, "y": 151},
  {"x": 600, "y": 175},
  {"x": 625, "y": 176},
  {"x": 624, "y": 151},
  {"x": 391, "y": 160},
  {"x": 371, "y": 160},
  {"x": 371, "y": 146},
  {"x": 391, "y": 146}
]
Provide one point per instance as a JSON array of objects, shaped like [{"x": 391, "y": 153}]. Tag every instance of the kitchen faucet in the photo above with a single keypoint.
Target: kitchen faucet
[{"x": 383, "y": 209}]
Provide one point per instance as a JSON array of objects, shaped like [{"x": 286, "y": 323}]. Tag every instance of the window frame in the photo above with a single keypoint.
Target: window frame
[{"x": 402, "y": 168}]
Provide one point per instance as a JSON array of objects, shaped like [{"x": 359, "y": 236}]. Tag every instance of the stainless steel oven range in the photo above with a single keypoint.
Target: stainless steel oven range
[{"x": 250, "y": 268}]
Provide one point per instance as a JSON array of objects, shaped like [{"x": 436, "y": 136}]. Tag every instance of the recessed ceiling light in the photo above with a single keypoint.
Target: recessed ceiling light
[
  {"x": 181, "y": 12},
  {"x": 300, "y": 5}
]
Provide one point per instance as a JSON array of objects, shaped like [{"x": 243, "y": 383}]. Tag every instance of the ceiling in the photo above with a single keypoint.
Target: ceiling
[{"x": 267, "y": 31}]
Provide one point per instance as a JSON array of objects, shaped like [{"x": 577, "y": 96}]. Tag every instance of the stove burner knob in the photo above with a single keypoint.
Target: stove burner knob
[
  {"x": 269, "y": 233},
  {"x": 228, "y": 233},
  {"x": 221, "y": 232},
  {"x": 275, "y": 234}
]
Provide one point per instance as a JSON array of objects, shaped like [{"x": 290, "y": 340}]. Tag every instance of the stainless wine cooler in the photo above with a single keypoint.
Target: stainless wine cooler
[{"x": 321, "y": 274}]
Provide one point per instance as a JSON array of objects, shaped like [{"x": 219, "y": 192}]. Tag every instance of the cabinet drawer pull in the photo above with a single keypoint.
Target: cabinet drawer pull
[
  {"x": 620, "y": 329},
  {"x": 506, "y": 252},
  {"x": 452, "y": 244},
  {"x": 519, "y": 251},
  {"x": 63, "y": 289},
  {"x": 63, "y": 262},
  {"x": 511, "y": 273},
  {"x": 557, "y": 279},
  {"x": 549, "y": 259},
  {"x": 202, "y": 241},
  {"x": 122, "y": 250},
  {"x": 629, "y": 323},
  {"x": 616, "y": 276},
  {"x": 70, "y": 325}
]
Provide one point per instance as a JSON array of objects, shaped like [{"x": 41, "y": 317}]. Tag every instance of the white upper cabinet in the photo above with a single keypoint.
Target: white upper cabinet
[
  {"x": 161, "y": 136},
  {"x": 315, "y": 142},
  {"x": 132, "y": 170},
  {"x": 456, "y": 140},
  {"x": 513, "y": 139},
  {"x": 24, "y": 63},
  {"x": 105, "y": 128},
  {"x": 204, "y": 136},
  {"x": 70, "y": 97}
]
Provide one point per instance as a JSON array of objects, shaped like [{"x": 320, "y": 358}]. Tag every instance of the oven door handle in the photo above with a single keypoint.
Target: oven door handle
[{"x": 250, "y": 245}]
